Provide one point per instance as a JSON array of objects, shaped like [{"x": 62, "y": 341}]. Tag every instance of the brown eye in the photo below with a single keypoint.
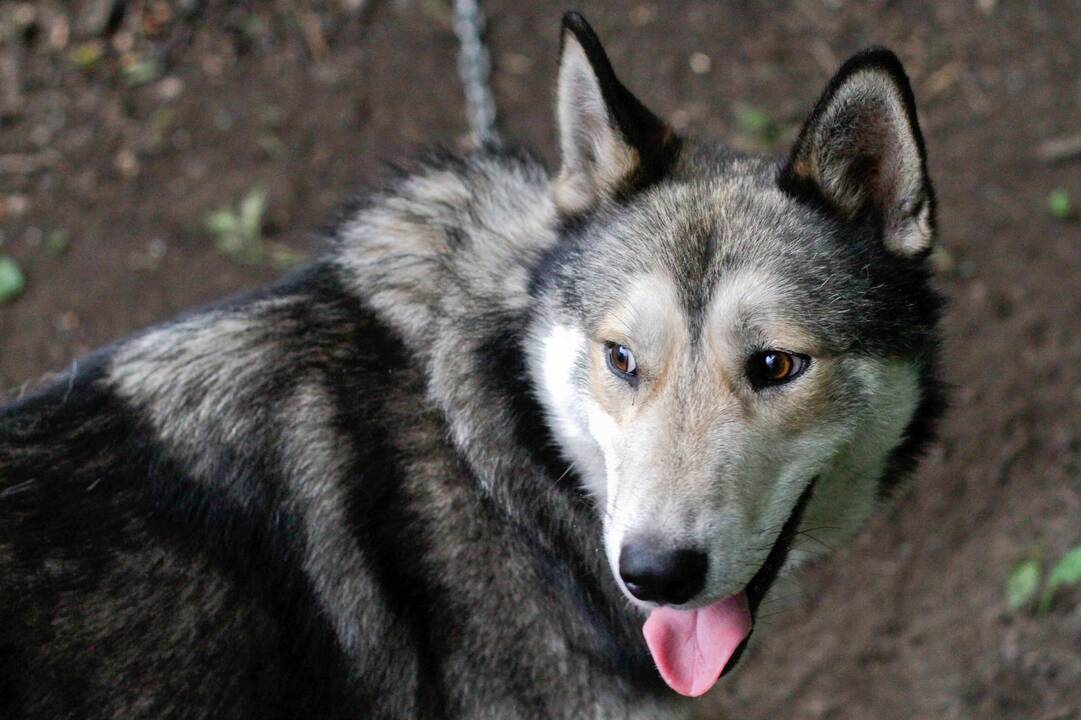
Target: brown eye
[
  {"x": 778, "y": 366},
  {"x": 775, "y": 367},
  {"x": 620, "y": 360}
]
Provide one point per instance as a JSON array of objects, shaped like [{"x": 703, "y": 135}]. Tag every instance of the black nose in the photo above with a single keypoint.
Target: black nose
[{"x": 654, "y": 573}]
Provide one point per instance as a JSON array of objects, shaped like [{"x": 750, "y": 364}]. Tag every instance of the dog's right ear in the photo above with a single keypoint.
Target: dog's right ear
[
  {"x": 861, "y": 152},
  {"x": 610, "y": 142}
]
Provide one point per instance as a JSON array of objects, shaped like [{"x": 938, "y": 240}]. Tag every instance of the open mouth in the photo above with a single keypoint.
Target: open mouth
[{"x": 694, "y": 648}]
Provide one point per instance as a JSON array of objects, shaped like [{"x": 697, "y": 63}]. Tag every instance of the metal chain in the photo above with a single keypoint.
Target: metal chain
[{"x": 475, "y": 68}]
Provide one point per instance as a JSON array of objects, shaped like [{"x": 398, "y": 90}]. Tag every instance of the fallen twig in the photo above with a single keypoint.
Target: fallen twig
[
  {"x": 1060, "y": 149},
  {"x": 26, "y": 164}
]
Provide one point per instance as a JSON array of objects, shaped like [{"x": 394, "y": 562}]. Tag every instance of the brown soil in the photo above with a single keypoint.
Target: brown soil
[{"x": 309, "y": 99}]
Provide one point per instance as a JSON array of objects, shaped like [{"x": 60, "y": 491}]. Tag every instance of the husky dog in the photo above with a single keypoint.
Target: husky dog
[{"x": 516, "y": 446}]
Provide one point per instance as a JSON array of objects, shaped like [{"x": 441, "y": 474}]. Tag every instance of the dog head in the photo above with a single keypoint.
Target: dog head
[{"x": 732, "y": 351}]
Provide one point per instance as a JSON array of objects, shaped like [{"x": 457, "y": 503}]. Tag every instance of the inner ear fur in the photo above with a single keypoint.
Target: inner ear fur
[
  {"x": 861, "y": 151},
  {"x": 609, "y": 141}
]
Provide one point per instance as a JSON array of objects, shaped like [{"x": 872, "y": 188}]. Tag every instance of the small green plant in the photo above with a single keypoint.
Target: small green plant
[
  {"x": 1059, "y": 205},
  {"x": 757, "y": 124},
  {"x": 1066, "y": 573},
  {"x": 238, "y": 232},
  {"x": 1023, "y": 585},
  {"x": 87, "y": 55},
  {"x": 141, "y": 71},
  {"x": 12, "y": 281}
]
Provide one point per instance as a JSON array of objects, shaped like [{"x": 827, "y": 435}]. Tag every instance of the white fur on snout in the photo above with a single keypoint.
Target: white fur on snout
[{"x": 605, "y": 432}]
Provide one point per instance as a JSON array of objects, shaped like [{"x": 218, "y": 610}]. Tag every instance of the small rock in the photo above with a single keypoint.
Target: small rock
[
  {"x": 126, "y": 162},
  {"x": 123, "y": 42},
  {"x": 700, "y": 63},
  {"x": 59, "y": 32},
  {"x": 642, "y": 15},
  {"x": 156, "y": 249},
  {"x": 13, "y": 206},
  {"x": 169, "y": 88},
  {"x": 24, "y": 15}
]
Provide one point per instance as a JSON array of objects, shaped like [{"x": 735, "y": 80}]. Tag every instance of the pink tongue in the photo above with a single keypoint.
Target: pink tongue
[{"x": 691, "y": 647}]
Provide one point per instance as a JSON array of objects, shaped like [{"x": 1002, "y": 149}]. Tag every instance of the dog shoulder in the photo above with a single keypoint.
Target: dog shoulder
[{"x": 457, "y": 234}]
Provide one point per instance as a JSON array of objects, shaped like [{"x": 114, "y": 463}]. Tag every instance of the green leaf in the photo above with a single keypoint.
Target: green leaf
[
  {"x": 12, "y": 281},
  {"x": 252, "y": 208},
  {"x": 239, "y": 232},
  {"x": 222, "y": 222},
  {"x": 1058, "y": 204},
  {"x": 87, "y": 55},
  {"x": 1023, "y": 583},
  {"x": 1066, "y": 573},
  {"x": 141, "y": 72},
  {"x": 758, "y": 123}
]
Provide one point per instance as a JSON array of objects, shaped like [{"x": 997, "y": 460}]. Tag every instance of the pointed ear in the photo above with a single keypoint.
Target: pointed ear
[
  {"x": 610, "y": 142},
  {"x": 861, "y": 152}
]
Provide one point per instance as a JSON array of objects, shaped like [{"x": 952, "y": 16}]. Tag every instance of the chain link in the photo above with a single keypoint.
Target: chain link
[{"x": 475, "y": 69}]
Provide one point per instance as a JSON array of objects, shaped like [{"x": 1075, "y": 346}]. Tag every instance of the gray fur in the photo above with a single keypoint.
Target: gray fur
[{"x": 365, "y": 492}]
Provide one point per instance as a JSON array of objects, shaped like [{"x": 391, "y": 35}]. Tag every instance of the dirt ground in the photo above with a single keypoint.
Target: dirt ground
[{"x": 124, "y": 124}]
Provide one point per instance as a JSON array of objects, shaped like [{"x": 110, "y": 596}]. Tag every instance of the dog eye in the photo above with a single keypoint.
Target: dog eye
[
  {"x": 775, "y": 367},
  {"x": 620, "y": 360}
]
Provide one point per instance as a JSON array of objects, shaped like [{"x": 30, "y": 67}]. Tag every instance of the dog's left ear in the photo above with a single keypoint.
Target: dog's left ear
[
  {"x": 862, "y": 152},
  {"x": 610, "y": 142}
]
